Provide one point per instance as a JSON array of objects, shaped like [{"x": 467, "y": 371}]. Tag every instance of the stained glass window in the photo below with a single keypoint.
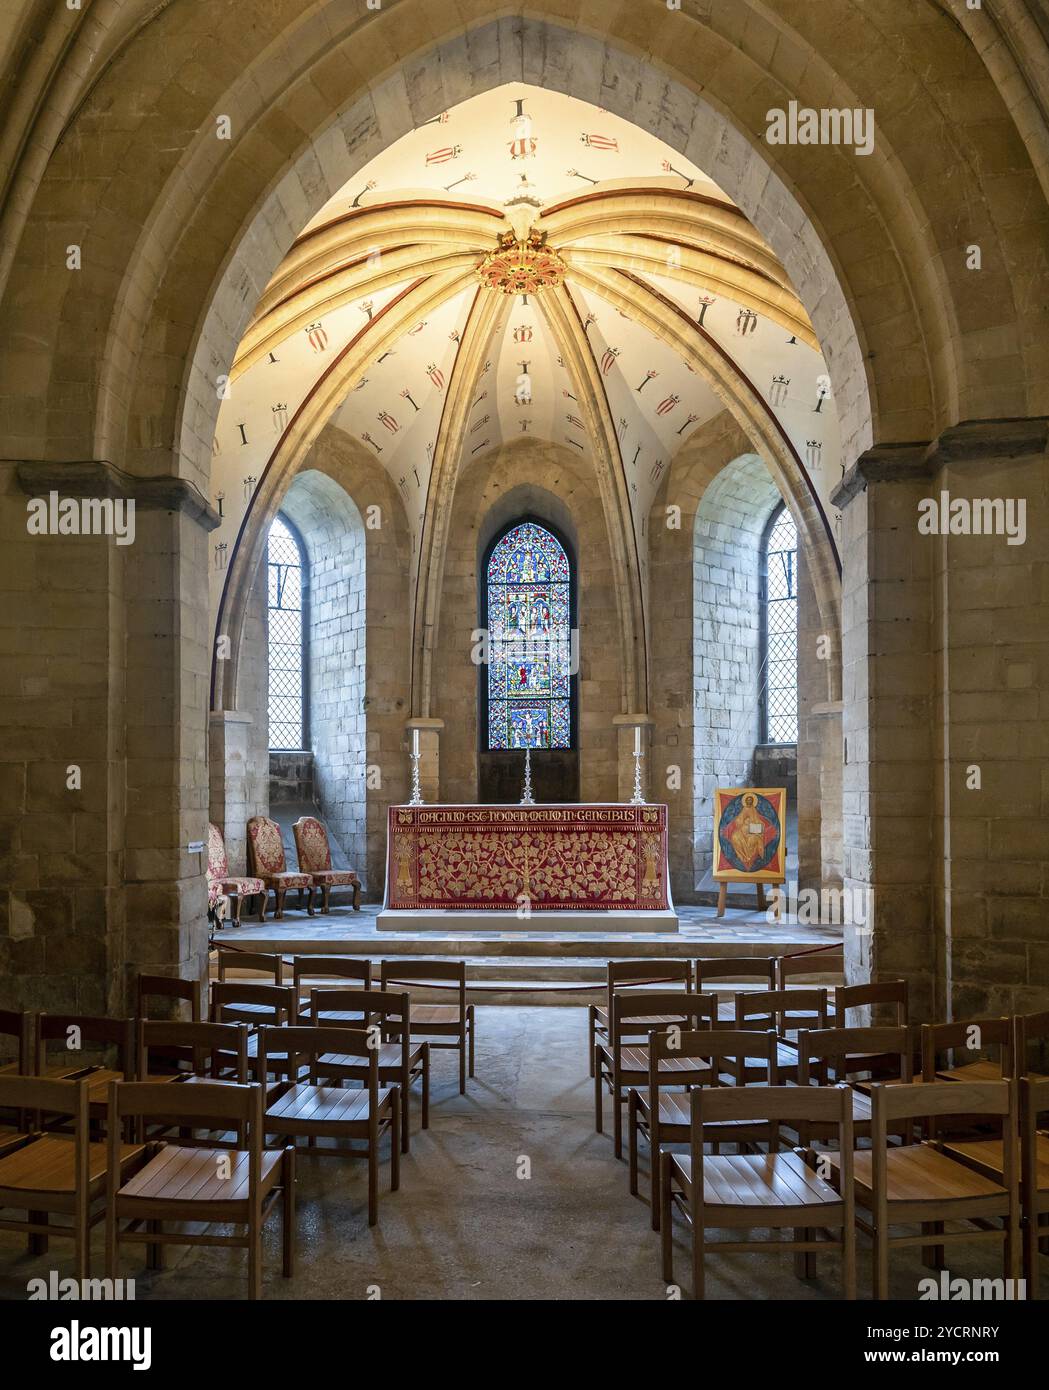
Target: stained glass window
[
  {"x": 287, "y": 681},
  {"x": 529, "y": 621},
  {"x": 780, "y": 594}
]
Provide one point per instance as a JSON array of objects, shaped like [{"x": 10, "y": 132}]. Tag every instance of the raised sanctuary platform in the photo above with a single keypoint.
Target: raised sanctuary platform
[{"x": 585, "y": 868}]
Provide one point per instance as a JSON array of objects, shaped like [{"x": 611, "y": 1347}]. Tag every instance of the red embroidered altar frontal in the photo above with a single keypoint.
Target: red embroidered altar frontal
[{"x": 570, "y": 857}]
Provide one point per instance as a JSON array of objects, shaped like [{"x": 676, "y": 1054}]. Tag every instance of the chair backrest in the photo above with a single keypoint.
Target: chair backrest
[
  {"x": 218, "y": 860},
  {"x": 680, "y": 1009},
  {"x": 819, "y": 960},
  {"x": 631, "y": 974},
  {"x": 39, "y": 1096},
  {"x": 309, "y": 1043},
  {"x": 16, "y": 1026},
  {"x": 799, "y": 1106},
  {"x": 849, "y": 1050},
  {"x": 716, "y": 1045},
  {"x": 265, "y": 846},
  {"x": 889, "y": 993},
  {"x": 312, "y": 848},
  {"x": 1031, "y": 1029},
  {"x": 167, "y": 987},
  {"x": 970, "y": 1039},
  {"x": 227, "y": 994},
  {"x": 761, "y": 968},
  {"x": 80, "y": 1031},
  {"x": 930, "y": 1103},
  {"x": 768, "y": 1008},
  {"x": 372, "y": 1004},
  {"x": 1034, "y": 1102},
  {"x": 400, "y": 971},
  {"x": 329, "y": 967},
  {"x": 258, "y": 962},
  {"x": 211, "y": 1105},
  {"x": 207, "y": 1047}
]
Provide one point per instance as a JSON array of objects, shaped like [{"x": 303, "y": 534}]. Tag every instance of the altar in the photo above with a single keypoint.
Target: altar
[{"x": 527, "y": 868}]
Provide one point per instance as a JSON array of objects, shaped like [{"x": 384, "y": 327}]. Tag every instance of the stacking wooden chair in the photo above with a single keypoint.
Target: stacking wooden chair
[
  {"x": 951, "y": 1041},
  {"x": 402, "y": 1061},
  {"x": 313, "y": 852},
  {"x": 259, "y": 967},
  {"x": 623, "y": 1062},
  {"x": 761, "y": 970},
  {"x": 801, "y": 966},
  {"x": 268, "y": 862},
  {"x": 663, "y": 1115},
  {"x": 1031, "y": 1030},
  {"x": 438, "y": 1021},
  {"x": 64, "y": 1045},
  {"x": 176, "y": 1184},
  {"x": 632, "y": 974},
  {"x": 237, "y": 889},
  {"x": 259, "y": 1006},
  {"x": 309, "y": 1110},
  {"x": 922, "y": 1184},
  {"x": 762, "y": 1191},
  {"x": 841, "y": 1053},
  {"x": 206, "y": 1052},
  {"x": 769, "y": 1008},
  {"x": 308, "y": 973},
  {"x": 48, "y": 1175}
]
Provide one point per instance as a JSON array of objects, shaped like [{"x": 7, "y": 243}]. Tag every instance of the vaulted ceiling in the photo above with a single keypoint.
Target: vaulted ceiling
[{"x": 527, "y": 264}]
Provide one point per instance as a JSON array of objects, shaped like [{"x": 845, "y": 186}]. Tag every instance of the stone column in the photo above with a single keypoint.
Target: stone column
[
  {"x": 429, "y": 755},
  {"x": 946, "y": 660},
  {"x": 229, "y": 732}
]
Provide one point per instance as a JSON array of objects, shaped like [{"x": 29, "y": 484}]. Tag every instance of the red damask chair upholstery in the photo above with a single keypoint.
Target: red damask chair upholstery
[
  {"x": 314, "y": 855},
  {"x": 221, "y": 883},
  {"x": 266, "y": 856}
]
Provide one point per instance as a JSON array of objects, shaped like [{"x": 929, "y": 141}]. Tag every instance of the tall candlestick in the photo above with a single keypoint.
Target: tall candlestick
[
  {"x": 415, "y": 743},
  {"x": 637, "y": 740}
]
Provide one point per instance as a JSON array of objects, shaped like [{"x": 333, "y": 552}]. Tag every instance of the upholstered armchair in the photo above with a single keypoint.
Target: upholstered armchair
[
  {"x": 222, "y": 884},
  {"x": 314, "y": 855},
  {"x": 266, "y": 857}
]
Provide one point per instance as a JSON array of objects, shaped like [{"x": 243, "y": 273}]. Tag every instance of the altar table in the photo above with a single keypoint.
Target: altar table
[{"x": 577, "y": 860}]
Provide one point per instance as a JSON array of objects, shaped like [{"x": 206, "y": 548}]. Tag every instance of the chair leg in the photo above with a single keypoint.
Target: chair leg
[
  {"x": 406, "y": 1123},
  {"x": 933, "y": 1256},
  {"x": 848, "y": 1261},
  {"x": 395, "y": 1145},
  {"x": 881, "y": 1264},
  {"x": 37, "y": 1244},
  {"x": 280, "y": 894},
  {"x": 288, "y": 1213},
  {"x": 236, "y": 910},
  {"x": 590, "y": 1038},
  {"x": 462, "y": 1062},
  {"x": 666, "y": 1233},
  {"x": 254, "y": 1260},
  {"x": 426, "y": 1086},
  {"x": 472, "y": 1020},
  {"x": 326, "y": 895},
  {"x": 309, "y": 901},
  {"x": 373, "y": 1181},
  {"x": 356, "y": 897},
  {"x": 632, "y": 1141},
  {"x": 804, "y": 1260},
  {"x": 698, "y": 1264},
  {"x": 263, "y": 896},
  {"x": 598, "y": 1101},
  {"x": 617, "y": 1120}
]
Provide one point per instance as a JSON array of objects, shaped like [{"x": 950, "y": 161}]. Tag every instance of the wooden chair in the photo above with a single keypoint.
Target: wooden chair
[
  {"x": 263, "y": 967},
  {"x": 438, "y": 1020},
  {"x": 259, "y": 1006},
  {"x": 170, "y": 988},
  {"x": 663, "y": 1115},
  {"x": 972, "y": 1037},
  {"x": 889, "y": 995},
  {"x": 762, "y": 1191},
  {"x": 632, "y": 974},
  {"x": 16, "y": 1027},
  {"x": 237, "y": 889},
  {"x": 840, "y": 1053},
  {"x": 267, "y": 861},
  {"x": 760, "y": 969},
  {"x": 623, "y": 1062},
  {"x": 47, "y": 1174},
  {"x": 308, "y": 1110},
  {"x": 402, "y": 1062},
  {"x": 313, "y": 852},
  {"x": 177, "y": 1184},
  {"x": 1031, "y": 1029},
  {"x": 769, "y": 1008},
  {"x": 802, "y": 966},
  {"x": 923, "y": 1184},
  {"x": 211, "y": 1052},
  {"x": 319, "y": 968},
  {"x": 81, "y": 1036}
]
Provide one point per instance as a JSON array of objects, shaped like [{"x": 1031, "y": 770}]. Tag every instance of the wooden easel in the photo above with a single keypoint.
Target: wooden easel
[{"x": 760, "y": 887}]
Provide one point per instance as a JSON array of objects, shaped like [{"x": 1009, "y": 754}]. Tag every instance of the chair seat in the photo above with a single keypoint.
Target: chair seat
[
  {"x": 972, "y": 1071},
  {"x": 287, "y": 880},
  {"x": 244, "y": 887},
  {"x": 988, "y": 1156},
  {"x": 98, "y": 1079},
  {"x": 322, "y": 1105},
  {"x": 49, "y": 1164},
  {"x": 389, "y": 1056},
  {"x": 919, "y": 1173},
  {"x": 758, "y": 1180},
  {"x": 178, "y": 1174},
  {"x": 333, "y": 878},
  {"x": 634, "y": 1060},
  {"x": 326, "y": 1016},
  {"x": 435, "y": 1013},
  {"x": 646, "y": 1021}
]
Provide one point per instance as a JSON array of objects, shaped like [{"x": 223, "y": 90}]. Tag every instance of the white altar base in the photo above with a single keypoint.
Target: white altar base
[{"x": 466, "y": 919}]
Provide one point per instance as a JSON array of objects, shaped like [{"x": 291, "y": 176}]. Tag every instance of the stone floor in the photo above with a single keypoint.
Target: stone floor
[{"x": 465, "y": 1225}]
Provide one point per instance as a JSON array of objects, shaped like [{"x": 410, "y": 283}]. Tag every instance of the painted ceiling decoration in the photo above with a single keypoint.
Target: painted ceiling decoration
[{"x": 524, "y": 264}]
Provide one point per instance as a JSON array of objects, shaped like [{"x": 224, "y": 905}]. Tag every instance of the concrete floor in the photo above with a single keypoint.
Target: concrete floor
[{"x": 464, "y": 1225}]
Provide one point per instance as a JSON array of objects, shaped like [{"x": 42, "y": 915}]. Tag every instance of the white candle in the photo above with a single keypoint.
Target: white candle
[
  {"x": 637, "y": 740},
  {"x": 415, "y": 743}
]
